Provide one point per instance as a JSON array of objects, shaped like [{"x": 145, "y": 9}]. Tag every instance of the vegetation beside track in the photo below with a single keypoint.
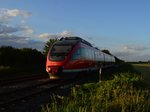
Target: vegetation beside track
[
  {"x": 145, "y": 71},
  {"x": 127, "y": 91},
  {"x": 15, "y": 63}
]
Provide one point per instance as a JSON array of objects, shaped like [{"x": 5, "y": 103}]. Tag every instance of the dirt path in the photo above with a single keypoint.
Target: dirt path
[{"x": 145, "y": 71}]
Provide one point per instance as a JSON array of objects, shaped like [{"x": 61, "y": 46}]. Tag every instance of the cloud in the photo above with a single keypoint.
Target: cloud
[
  {"x": 19, "y": 35},
  {"x": 20, "y": 42},
  {"x": 27, "y": 29},
  {"x": 57, "y": 35},
  {"x": 7, "y": 14},
  {"x": 132, "y": 52},
  {"x": 8, "y": 29},
  {"x": 17, "y": 12},
  {"x": 4, "y": 29},
  {"x": 66, "y": 34},
  {"x": 135, "y": 48},
  {"x": 47, "y": 35},
  {"x": 8, "y": 38}
]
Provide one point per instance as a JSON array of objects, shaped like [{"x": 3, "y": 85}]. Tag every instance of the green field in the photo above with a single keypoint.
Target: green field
[
  {"x": 126, "y": 92},
  {"x": 145, "y": 71}
]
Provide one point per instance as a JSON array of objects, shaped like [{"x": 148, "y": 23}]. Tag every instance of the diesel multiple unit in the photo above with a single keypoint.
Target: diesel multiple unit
[{"x": 74, "y": 54}]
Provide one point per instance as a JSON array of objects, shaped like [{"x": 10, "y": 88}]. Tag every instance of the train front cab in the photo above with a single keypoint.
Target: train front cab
[{"x": 57, "y": 58}]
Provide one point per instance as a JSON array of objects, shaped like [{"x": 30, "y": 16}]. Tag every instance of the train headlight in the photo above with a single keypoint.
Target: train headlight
[{"x": 48, "y": 69}]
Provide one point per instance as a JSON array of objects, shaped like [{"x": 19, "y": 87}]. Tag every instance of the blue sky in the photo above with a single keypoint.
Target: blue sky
[{"x": 121, "y": 26}]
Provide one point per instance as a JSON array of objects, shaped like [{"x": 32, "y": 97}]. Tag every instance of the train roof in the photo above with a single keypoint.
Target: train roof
[
  {"x": 66, "y": 42},
  {"x": 74, "y": 40}
]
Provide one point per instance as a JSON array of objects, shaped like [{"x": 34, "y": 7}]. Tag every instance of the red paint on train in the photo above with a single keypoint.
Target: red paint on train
[{"x": 73, "y": 54}]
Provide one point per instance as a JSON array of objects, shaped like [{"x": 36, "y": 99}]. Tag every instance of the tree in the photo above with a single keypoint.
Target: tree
[
  {"x": 10, "y": 56},
  {"x": 106, "y": 51},
  {"x": 48, "y": 45}
]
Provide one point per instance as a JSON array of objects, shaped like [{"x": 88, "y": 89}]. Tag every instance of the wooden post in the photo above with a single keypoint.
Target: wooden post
[{"x": 100, "y": 73}]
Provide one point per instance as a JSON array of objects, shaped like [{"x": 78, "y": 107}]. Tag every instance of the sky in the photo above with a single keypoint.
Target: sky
[{"x": 121, "y": 26}]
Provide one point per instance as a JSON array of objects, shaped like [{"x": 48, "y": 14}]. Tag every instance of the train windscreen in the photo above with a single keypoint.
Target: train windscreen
[{"x": 59, "y": 52}]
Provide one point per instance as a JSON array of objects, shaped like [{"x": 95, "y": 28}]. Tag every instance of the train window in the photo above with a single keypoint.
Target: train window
[
  {"x": 91, "y": 54},
  {"x": 62, "y": 50},
  {"x": 76, "y": 55},
  {"x": 83, "y": 52},
  {"x": 57, "y": 58}
]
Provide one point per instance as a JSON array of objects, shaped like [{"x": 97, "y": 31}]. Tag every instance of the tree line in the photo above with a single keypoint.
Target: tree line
[{"x": 10, "y": 56}]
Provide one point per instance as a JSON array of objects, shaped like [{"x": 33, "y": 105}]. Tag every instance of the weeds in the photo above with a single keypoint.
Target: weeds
[{"x": 121, "y": 94}]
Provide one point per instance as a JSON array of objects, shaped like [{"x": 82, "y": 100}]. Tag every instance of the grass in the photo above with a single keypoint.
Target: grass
[
  {"x": 122, "y": 94},
  {"x": 126, "y": 92},
  {"x": 144, "y": 65},
  {"x": 145, "y": 71},
  {"x": 4, "y": 68}
]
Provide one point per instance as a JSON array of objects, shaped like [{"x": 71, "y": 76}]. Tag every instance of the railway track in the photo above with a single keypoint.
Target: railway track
[
  {"x": 22, "y": 79},
  {"x": 12, "y": 97},
  {"x": 8, "y": 89}
]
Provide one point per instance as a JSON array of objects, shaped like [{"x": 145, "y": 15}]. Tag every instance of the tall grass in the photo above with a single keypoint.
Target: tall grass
[{"x": 124, "y": 93}]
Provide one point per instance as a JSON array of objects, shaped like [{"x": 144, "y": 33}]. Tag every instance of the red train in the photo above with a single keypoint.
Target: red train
[{"x": 72, "y": 55}]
